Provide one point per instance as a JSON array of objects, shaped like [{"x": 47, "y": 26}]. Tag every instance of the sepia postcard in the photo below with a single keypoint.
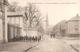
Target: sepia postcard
[{"x": 39, "y": 25}]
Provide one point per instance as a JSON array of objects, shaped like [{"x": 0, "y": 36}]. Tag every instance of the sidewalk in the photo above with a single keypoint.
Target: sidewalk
[{"x": 16, "y": 46}]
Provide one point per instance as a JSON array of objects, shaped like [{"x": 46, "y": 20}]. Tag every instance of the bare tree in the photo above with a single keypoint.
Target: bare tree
[{"x": 33, "y": 16}]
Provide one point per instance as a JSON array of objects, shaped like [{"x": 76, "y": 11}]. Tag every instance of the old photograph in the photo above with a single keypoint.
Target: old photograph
[{"x": 39, "y": 25}]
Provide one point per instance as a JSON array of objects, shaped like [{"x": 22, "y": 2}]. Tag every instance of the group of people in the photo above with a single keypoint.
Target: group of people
[
  {"x": 52, "y": 35},
  {"x": 27, "y": 38},
  {"x": 34, "y": 38}
]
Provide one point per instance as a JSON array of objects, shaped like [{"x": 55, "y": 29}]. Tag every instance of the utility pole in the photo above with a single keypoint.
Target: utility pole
[{"x": 4, "y": 20}]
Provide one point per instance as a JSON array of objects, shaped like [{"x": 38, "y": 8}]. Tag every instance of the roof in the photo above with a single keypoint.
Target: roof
[
  {"x": 15, "y": 14},
  {"x": 77, "y": 17}
]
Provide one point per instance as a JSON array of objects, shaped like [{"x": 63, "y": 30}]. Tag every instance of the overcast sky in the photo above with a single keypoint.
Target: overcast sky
[{"x": 57, "y": 10}]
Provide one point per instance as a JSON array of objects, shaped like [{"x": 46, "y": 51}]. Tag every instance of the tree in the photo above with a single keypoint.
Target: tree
[{"x": 33, "y": 16}]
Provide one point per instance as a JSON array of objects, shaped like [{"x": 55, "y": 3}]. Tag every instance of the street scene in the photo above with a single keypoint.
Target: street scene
[{"x": 39, "y": 26}]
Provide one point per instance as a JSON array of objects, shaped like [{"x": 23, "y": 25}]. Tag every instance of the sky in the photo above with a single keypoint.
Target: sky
[{"x": 57, "y": 10}]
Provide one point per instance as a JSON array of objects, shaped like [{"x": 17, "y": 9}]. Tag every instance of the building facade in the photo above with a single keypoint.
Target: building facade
[
  {"x": 69, "y": 28},
  {"x": 59, "y": 29},
  {"x": 15, "y": 24},
  {"x": 11, "y": 23},
  {"x": 73, "y": 27}
]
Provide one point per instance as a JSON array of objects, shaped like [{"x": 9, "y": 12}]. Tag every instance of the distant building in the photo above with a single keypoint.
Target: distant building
[
  {"x": 73, "y": 26},
  {"x": 59, "y": 29},
  {"x": 70, "y": 28}
]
